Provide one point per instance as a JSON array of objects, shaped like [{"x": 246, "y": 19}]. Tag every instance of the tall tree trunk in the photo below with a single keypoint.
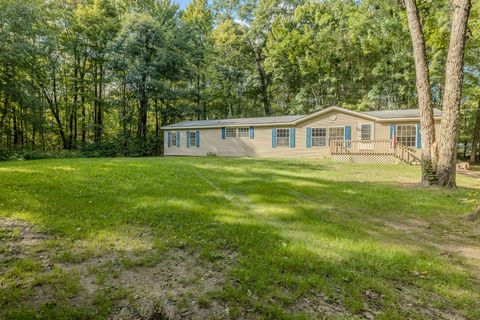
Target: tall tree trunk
[
  {"x": 15, "y": 127},
  {"x": 142, "y": 116},
  {"x": 157, "y": 128},
  {"x": 263, "y": 83},
  {"x": 72, "y": 137},
  {"x": 476, "y": 135},
  {"x": 56, "y": 112},
  {"x": 83, "y": 126},
  {"x": 452, "y": 94},
  {"x": 98, "y": 112},
  {"x": 198, "y": 93},
  {"x": 4, "y": 116},
  {"x": 429, "y": 150}
]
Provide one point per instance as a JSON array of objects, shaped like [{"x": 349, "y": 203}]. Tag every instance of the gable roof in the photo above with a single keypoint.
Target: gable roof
[
  {"x": 380, "y": 116},
  {"x": 405, "y": 113},
  {"x": 234, "y": 122}
]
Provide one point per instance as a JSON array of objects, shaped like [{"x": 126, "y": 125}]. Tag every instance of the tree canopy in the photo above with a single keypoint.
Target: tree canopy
[{"x": 107, "y": 74}]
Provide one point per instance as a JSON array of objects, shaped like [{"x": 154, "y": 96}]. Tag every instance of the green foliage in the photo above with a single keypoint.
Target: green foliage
[{"x": 77, "y": 74}]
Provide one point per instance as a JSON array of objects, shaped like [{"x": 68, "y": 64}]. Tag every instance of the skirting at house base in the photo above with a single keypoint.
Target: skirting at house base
[{"x": 366, "y": 158}]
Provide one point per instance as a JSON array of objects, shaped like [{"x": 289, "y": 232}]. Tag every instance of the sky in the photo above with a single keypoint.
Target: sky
[{"x": 182, "y": 3}]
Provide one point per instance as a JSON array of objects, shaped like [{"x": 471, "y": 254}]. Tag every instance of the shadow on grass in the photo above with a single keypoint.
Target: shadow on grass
[{"x": 298, "y": 234}]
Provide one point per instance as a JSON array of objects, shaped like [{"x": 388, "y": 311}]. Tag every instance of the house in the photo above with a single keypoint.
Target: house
[{"x": 345, "y": 135}]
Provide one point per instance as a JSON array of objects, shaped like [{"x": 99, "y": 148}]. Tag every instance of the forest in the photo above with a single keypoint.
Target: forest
[{"x": 101, "y": 77}]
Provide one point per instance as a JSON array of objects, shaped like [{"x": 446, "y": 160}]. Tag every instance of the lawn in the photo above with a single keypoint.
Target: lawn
[{"x": 175, "y": 238}]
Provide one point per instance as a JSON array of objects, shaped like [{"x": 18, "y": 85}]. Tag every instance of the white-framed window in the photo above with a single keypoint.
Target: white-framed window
[
  {"x": 231, "y": 132},
  {"x": 193, "y": 139},
  {"x": 243, "y": 132},
  {"x": 283, "y": 137},
  {"x": 407, "y": 134},
  {"x": 336, "y": 133},
  {"x": 366, "y": 131},
  {"x": 319, "y": 137},
  {"x": 173, "y": 138}
]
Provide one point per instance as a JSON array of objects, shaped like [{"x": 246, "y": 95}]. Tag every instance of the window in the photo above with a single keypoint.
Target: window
[
  {"x": 407, "y": 135},
  {"x": 243, "y": 132},
  {"x": 173, "y": 139},
  {"x": 336, "y": 133},
  {"x": 319, "y": 137},
  {"x": 283, "y": 137},
  {"x": 231, "y": 133},
  {"x": 366, "y": 131},
  {"x": 193, "y": 136}
]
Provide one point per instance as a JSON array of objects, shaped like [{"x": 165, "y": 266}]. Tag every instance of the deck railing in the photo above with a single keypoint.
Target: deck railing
[{"x": 373, "y": 147}]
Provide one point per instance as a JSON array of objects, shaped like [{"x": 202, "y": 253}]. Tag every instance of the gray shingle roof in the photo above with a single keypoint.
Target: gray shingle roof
[
  {"x": 406, "y": 113},
  {"x": 384, "y": 114},
  {"x": 232, "y": 122}
]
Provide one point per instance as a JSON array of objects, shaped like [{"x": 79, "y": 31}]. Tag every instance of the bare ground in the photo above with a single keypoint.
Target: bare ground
[{"x": 176, "y": 287}]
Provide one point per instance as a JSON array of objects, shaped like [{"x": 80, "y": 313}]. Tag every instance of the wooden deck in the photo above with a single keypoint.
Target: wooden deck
[{"x": 371, "y": 148}]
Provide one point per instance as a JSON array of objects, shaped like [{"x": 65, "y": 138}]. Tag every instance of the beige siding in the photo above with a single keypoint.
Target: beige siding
[{"x": 261, "y": 146}]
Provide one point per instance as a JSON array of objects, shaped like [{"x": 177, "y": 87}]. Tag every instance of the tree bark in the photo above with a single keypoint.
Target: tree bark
[
  {"x": 429, "y": 150},
  {"x": 452, "y": 94},
  {"x": 476, "y": 135},
  {"x": 263, "y": 83},
  {"x": 142, "y": 115}
]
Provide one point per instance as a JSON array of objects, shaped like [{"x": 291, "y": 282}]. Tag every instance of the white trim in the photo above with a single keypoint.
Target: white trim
[
  {"x": 276, "y": 137},
  {"x": 415, "y": 135},
  {"x": 243, "y": 137},
  {"x": 328, "y": 132},
  {"x": 335, "y": 108},
  {"x": 173, "y": 134},
  {"x": 359, "y": 130},
  {"x": 234, "y": 130},
  {"x": 326, "y": 137}
]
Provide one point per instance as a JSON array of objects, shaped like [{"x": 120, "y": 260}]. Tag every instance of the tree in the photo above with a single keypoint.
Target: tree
[
  {"x": 452, "y": 94},
  {"x": 199, "y": 23},
  {"x": 446, "y": 165},
  {"x": 429, "y": 148}
]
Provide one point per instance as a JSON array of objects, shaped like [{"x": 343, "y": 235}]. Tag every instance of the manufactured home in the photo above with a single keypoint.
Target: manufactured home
[{"x": 389, "y": 136}]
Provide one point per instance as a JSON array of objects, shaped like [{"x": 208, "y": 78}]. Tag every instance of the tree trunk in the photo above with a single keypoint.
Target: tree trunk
[
  {"x": 452, "y": 94},
  {"x": 157, "y": 128},
  {"x": 263, "y": 83},
  {"x": 15, "y": 127},
  {"x": 476, "y": 135},
  {"x": 56, "y": 113},
  {"x": 429, "y": 150},
  {"x": 98, "y": 117},
  {"x": 142, "y": 115},
  {"x": 4, "y": 116}
]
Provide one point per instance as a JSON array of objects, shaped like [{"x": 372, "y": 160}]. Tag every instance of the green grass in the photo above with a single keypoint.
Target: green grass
[{"x": 286, "y": 236}]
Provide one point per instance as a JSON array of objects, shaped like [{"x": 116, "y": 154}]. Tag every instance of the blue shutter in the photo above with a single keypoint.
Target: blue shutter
[
  {"x": 274, "y": 137},
  {"x": 188, "y": 138},
  {"x": 419, "y": 136},
  {"x": 223, "y": 133},
  {"x": 292, "y": 137},
  {"x": 197, "y": 139},
  {"x": 252, "y": 135},
  {"x": 309, "y": 137},
  {"x": 169, "y": 139},
  {"x": 348, "y": 133},
  {"x": 392, "y": 131},
  {"x": 178, "y": 139},
  {"x": 348, "y": 136}
]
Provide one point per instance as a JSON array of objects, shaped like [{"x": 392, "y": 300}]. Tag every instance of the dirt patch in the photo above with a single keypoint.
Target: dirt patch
[
  {"x": 474, "y": 173},
  {"x": 20, "y": 239},
  {"x": 177, "y": 285},
  {"x": 473, "y": 217},
  {"x": 459, "y": 242}
]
